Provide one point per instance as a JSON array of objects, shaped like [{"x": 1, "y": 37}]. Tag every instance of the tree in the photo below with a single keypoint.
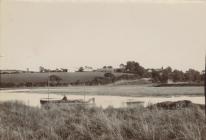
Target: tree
[
  {"x": 109, "y": 75},
  {"x": 168, "y": 69},
  {"x": 122, "y": 66},
  {"x": 134, "y": 67},
  {"x": 202, "y": 75},
  {"x": 177, "y": 76},
  {"x": 155, "y": 76},
  {"x": 54, "y": 80},
  {"x": 41, "y": 69},
  {"x": 164, "y": 76},
  {"x": 28, "y": 84},
  {"x": 192, "y": 75},
  {"x": 81, "y": 69}
]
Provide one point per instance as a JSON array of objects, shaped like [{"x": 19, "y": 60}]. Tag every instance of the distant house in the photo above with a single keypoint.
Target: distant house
[
  {"x": 73, "y": 69},
  {"x": 64, "y": 70},
  {"x": 157, "y": 70},
  {"x": 105, "y": 69},
  {"x": 42, "y": 69},
  {"x": 170, "y": 81},
  {"x": 11, "y": 71},
  {"x": 88, "y": 68}
]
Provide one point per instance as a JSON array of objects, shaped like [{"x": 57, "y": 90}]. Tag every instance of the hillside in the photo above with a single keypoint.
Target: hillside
[{"x": 66, "y": 77}]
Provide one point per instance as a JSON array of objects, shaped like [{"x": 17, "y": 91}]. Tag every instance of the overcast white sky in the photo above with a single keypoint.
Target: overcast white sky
[{"x": 72, "y": 34}]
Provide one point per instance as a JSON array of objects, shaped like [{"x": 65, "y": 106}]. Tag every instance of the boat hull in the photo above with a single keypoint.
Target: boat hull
[{"x": 70, "y": 102}]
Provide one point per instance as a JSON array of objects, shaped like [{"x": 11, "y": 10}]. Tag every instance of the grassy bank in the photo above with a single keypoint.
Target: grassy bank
[
  {"x": 181, "y": 85},
  {"x": 20, "y": 122},
  {"x": 124, "y": 90}
]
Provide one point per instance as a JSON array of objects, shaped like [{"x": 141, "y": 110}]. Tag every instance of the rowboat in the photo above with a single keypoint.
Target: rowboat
[{"x": 64, "y": 100}]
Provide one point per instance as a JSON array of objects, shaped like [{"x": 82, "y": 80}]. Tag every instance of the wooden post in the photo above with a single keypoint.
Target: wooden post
[
  {"x": 0, "y": 73},
  {"x": 205, "y": 87},
  {"x": 48, "y": 85}
]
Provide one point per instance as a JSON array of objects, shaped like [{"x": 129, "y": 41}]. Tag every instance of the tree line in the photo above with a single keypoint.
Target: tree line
[
  {"x": 131, "y": 70},
  {"x": 162, "y": 75}
]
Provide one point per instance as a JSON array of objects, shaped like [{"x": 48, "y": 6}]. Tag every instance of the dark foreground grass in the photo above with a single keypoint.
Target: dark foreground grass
[{"x": 20, "y": 122}]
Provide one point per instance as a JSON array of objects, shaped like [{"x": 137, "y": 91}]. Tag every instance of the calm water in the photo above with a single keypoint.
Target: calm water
[{"x": 105, "y": 96}]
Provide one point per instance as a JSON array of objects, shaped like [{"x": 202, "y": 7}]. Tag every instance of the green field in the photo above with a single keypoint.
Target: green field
[{"x": 67, "y": 77}]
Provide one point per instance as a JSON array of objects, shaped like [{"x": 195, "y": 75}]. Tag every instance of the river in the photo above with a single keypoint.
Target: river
[{"x": 105, "y": 96}]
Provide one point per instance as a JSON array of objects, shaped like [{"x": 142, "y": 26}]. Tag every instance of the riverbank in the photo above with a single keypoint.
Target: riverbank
[
  {"x": 20, "y": 122},
  {"x": 123, "y": 90},
  {"x": 180, "y": 85}
]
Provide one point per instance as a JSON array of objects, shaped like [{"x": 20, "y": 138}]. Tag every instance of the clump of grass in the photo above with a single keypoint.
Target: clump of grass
[{"x": 20, "y": 122}]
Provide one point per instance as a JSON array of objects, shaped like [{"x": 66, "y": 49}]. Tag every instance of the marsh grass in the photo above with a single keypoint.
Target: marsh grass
[{"x": 20, "y": 122}]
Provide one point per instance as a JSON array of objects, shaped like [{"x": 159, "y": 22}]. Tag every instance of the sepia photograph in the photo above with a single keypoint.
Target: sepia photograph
[{"x": 102, "y": 69}]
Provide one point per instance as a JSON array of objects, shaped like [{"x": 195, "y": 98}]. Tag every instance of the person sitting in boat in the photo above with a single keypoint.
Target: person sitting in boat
[{"x": 64, "y": 98}]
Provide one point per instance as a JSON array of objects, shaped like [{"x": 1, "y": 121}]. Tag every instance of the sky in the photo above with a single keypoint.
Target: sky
[{"x": 74, "y": 33}]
